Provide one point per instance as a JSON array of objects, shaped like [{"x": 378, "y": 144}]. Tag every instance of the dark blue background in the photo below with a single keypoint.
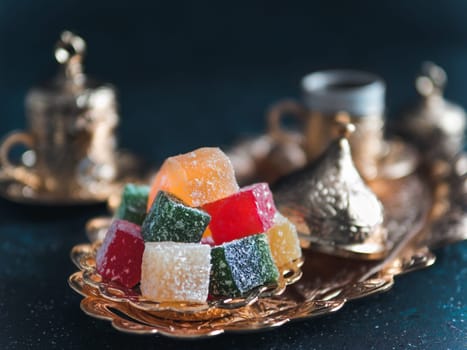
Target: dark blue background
[
  {"x": 205, "y": 66},
  {"x": 198, "y": 73}
]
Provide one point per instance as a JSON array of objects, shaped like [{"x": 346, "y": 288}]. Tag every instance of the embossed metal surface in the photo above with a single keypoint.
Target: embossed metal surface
[{"x": 333, "y": 207}]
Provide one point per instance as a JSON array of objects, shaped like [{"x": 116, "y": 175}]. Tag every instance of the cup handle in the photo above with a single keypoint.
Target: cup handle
[
  {"x": 17, "y": 172},
  {"x": 274, "y": 118}
]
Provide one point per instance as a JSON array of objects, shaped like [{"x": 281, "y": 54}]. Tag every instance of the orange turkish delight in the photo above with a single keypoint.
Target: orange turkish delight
[
  {"x": 202, "y": 176},
  {"x": 283, "y": 240}
]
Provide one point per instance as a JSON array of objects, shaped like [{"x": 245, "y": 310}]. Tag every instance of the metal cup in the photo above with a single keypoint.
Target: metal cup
[
  {"x": 70, "y": 135},
  {"x": 326, "y": 94}
]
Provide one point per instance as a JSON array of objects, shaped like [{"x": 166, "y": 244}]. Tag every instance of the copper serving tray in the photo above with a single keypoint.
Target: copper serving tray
[{"x": 415, "y": 211}]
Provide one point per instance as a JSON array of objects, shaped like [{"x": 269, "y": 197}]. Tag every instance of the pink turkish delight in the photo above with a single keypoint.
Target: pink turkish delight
[
  {"x": 247, "y": 212},
  {"x": 120, "y": 256}
]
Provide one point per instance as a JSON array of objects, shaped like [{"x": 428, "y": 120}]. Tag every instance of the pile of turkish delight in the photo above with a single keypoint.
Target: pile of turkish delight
[{"x": 194, "y": 234}]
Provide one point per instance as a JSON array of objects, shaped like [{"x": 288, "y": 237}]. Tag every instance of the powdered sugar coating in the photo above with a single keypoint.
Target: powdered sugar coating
[
  {"x": 241, "y": 265},
  {"x": 283, "y": 241},
  {"x": 176, "y": 271},
  {"x": 133, "y": 204},
  {"x": 119, "y": 257},
  {"x": 198, "y": 177},
  {"x": 249, "y": 211},
  {"x": 171, "y": 220}
]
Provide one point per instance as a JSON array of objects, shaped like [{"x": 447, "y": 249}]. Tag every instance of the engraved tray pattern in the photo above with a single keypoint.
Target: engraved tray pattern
[{"x": 328, "y": 282}]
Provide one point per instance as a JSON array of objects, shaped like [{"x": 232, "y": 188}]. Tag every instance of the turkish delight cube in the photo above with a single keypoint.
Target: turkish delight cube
[
  {"x": 176, "y": 271},
  {"x": 119, "y": 257},
  {"x": 241, "y": 265},
  {"x": 133, "y": 204},
  {"x": 171, "y": 220},
  {"x": 198, "y": 177},
  {"x": 249, "y": 211},
  {"x": 283, "y": 240}
]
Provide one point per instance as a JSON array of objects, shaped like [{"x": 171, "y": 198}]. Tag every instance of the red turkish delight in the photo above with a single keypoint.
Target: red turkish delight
[
  {"x": 120, "y": 256},
  {"x": 247, "y": 212}
]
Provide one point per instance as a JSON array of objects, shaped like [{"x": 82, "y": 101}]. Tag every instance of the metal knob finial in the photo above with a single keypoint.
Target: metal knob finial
[
  {"x": 69, "y": 52},
  {"x": 431, "y": 80},
  {"x": 345, "y": 128}
]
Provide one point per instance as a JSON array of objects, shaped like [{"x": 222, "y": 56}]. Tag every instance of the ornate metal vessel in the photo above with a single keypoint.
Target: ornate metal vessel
[
  {"x": 71, "y": 146},
  {"x": 332, "y": 206},
  {"x": 435, "y": 125}
]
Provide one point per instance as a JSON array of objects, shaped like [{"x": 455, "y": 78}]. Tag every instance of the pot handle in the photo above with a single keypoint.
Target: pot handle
[
  {"x": 17, "y": 172},
  {"x": 275, "y": 115}
]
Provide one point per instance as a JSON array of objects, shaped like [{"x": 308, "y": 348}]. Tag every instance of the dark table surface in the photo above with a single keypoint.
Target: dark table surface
[
  {"x": 424, "y": 310},
  {"x": 203, "y": 75}
]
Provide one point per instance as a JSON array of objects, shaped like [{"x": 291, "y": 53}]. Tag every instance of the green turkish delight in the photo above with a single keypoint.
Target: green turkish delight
[
  {"x": 241, "y": 265},
  {"x": 171, "y": 220},
  {"x": 133, "y": 204}
]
